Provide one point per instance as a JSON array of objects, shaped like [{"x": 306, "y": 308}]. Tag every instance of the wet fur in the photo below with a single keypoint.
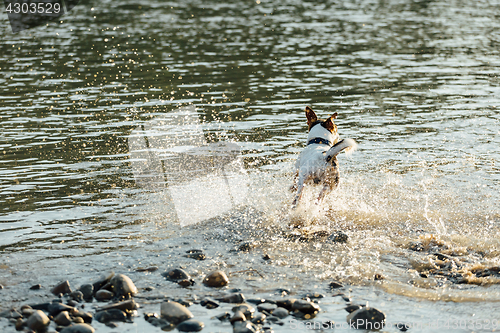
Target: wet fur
[{"x": 318, "y": 164}]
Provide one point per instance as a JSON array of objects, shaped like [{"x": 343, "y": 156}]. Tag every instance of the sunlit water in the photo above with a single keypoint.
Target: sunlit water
[{"x": 414, "y": 82}]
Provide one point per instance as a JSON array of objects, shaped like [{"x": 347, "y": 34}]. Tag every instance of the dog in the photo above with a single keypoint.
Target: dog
[{"x": 318, "y": 163}]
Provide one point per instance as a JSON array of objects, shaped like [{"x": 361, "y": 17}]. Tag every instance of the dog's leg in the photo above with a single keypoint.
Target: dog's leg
[
  {"x": 300, "y": 188},
  {"x": 326, "y": 189}
]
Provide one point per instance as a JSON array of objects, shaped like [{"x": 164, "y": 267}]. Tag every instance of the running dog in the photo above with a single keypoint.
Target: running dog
[{"x": 318, "y": 161}]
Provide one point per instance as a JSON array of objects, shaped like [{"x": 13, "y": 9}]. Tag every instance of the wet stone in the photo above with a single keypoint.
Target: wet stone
[
  {"x": 1, "y": 286},
  {"x": 378, "y": 277},
  {"x": 190, "y": 325},
  {"x": 238, "y": 316},
  {"x": 280, "y": 312},
  {"x": 366, "y": 318},
  {"x": 259, "y": 301},
  {"x": 149, "y": 269},
  {"x": 123, "y": 306},
  {"x": 72, "y": 303},
  {"x": 247, "y": 310},
  {"x": 62, "y": 319},
  {"x": 266, "y": 307},
  {"x": 259, "y": 318},
  {"x": 353, "y": 307},
  {"x": 158, "y": 322},
  {"x": 148, "y": 316},
  {"x": 61, "y": 288},
  {"x": 36, "y": 287},
  {"x": 187, "y": 304},
  {"x": 38, "y": 321},
  {"x": 110, "y": 315},
  {"x": 244, "y": 327},
  {"x": 287, "y": 303},
  {"x": 104, "y": 280},
  {"x": 78, "y": 328},
  {"x": 233, "y": 298},
  {"x": 122, "y": 286},
  {"x": 20, "y": 324},
  {"x": 175, "y": 312},
  {"x": 314, "y": 295},
  {"x": 186, "y": 283},
  {"x": 176, "y": 274},
  {"x": 338, "y": 237},
  {"x": 86, "y": 316},
  {"x": 26, "y": 311},
  {"x": 335, "y": 285},
  {"x": 266, "y": 257},
  {"x": 209, "y": 303},
  {"x": 87, "y": 291},
  {"x": 306, "y": 307},
  {"x": 78, "y": 320},
  {"x": 76, "y": 296},
  {"x": 103, "y": 295},
  {"x": 223, "y": 316},
  {"x": 216, "y": 279},
  {"x": 55, "y": 308}
]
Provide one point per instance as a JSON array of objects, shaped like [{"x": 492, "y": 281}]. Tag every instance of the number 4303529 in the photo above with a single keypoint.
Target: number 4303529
[{"x": 33, "y": 8}]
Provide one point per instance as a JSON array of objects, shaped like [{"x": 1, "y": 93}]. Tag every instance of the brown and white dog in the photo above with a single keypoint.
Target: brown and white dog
[{"x": 318, "y": 161}]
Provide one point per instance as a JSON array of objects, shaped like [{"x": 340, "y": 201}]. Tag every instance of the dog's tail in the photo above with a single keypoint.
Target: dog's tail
[{"x": 348, "y": 144}]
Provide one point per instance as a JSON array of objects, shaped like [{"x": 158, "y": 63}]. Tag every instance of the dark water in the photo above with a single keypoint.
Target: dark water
[{"x": 415, "y": 83}]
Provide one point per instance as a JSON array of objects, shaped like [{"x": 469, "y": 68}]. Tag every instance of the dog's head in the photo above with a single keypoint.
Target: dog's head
[{"x": 312, "y": 120}]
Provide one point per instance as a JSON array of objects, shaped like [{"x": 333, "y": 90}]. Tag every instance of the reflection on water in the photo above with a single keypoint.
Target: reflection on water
[{"x": 414, "y": 82}]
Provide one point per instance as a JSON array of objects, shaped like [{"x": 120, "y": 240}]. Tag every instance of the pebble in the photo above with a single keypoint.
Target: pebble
[
  {"x": 77, "y": 296},
  {"x": 209, "y": 303},
  {"x": 123, "y": 286},
  {"x": 36, "y": 287},
  {"x": 338, "y": 237},
  {"x": 366, "y": 318},
  {"x": 62, "y": 319},
  {"x": 305, "y": 307},
  {"x": 238, "y": 316},
  {"x": 216, "y": 279},
  {"x": 104, "y": 280},
  {"x": 287, "y": 303},
  {"x": 176, "y": 274},
  {"x": 55, "y": 308},
  {"x": 244, "y": 327},
  {"x": 1, "y": 286},
  {"x": 20, "y": 324},
  {"x": 266, "y": 307},
  {"x": 353, "y": 307},
  {"x": 78, "y": 328},
  {"x": 378, "y": 277},
  {"x": 280, "y": 312},
  {"x": 86, "y": 316},
  {"x": 87, "y": 291},
  {"x": 266, "y": 257},
  {"x": 335, "y": 284},
  {"x": 175, "y": 312},
  {"x": 38, "y": 321},
  {"x": 233, "y": 298},
  {"x": 186, "y": 283},
  {"x": 110, "y": 315},
  {"x": 190, "y": 325},
  {"x": 314, "y": 295},
  {"x": 247, "y": 310},
  {"x": 103, "y": 295},
  {"x": 123, "y": 306},
  {"x": 149, "y": 269},
  {"x": 61, "y": 288},
  {"x": 259, "y": 318},
  {"x": 223, "y": 316}
]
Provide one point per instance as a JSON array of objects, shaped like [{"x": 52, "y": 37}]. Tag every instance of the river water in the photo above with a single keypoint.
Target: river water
[{"x": 415, "y": 83}]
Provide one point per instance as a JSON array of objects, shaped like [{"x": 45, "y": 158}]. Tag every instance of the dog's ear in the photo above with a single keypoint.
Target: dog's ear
[
  {"x": 329, "y": 125},
  {"x": 311, "y": 116}
]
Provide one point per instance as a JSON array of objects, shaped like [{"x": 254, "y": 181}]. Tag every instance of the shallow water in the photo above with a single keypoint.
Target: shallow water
[{"x": 414, "y": 82}]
